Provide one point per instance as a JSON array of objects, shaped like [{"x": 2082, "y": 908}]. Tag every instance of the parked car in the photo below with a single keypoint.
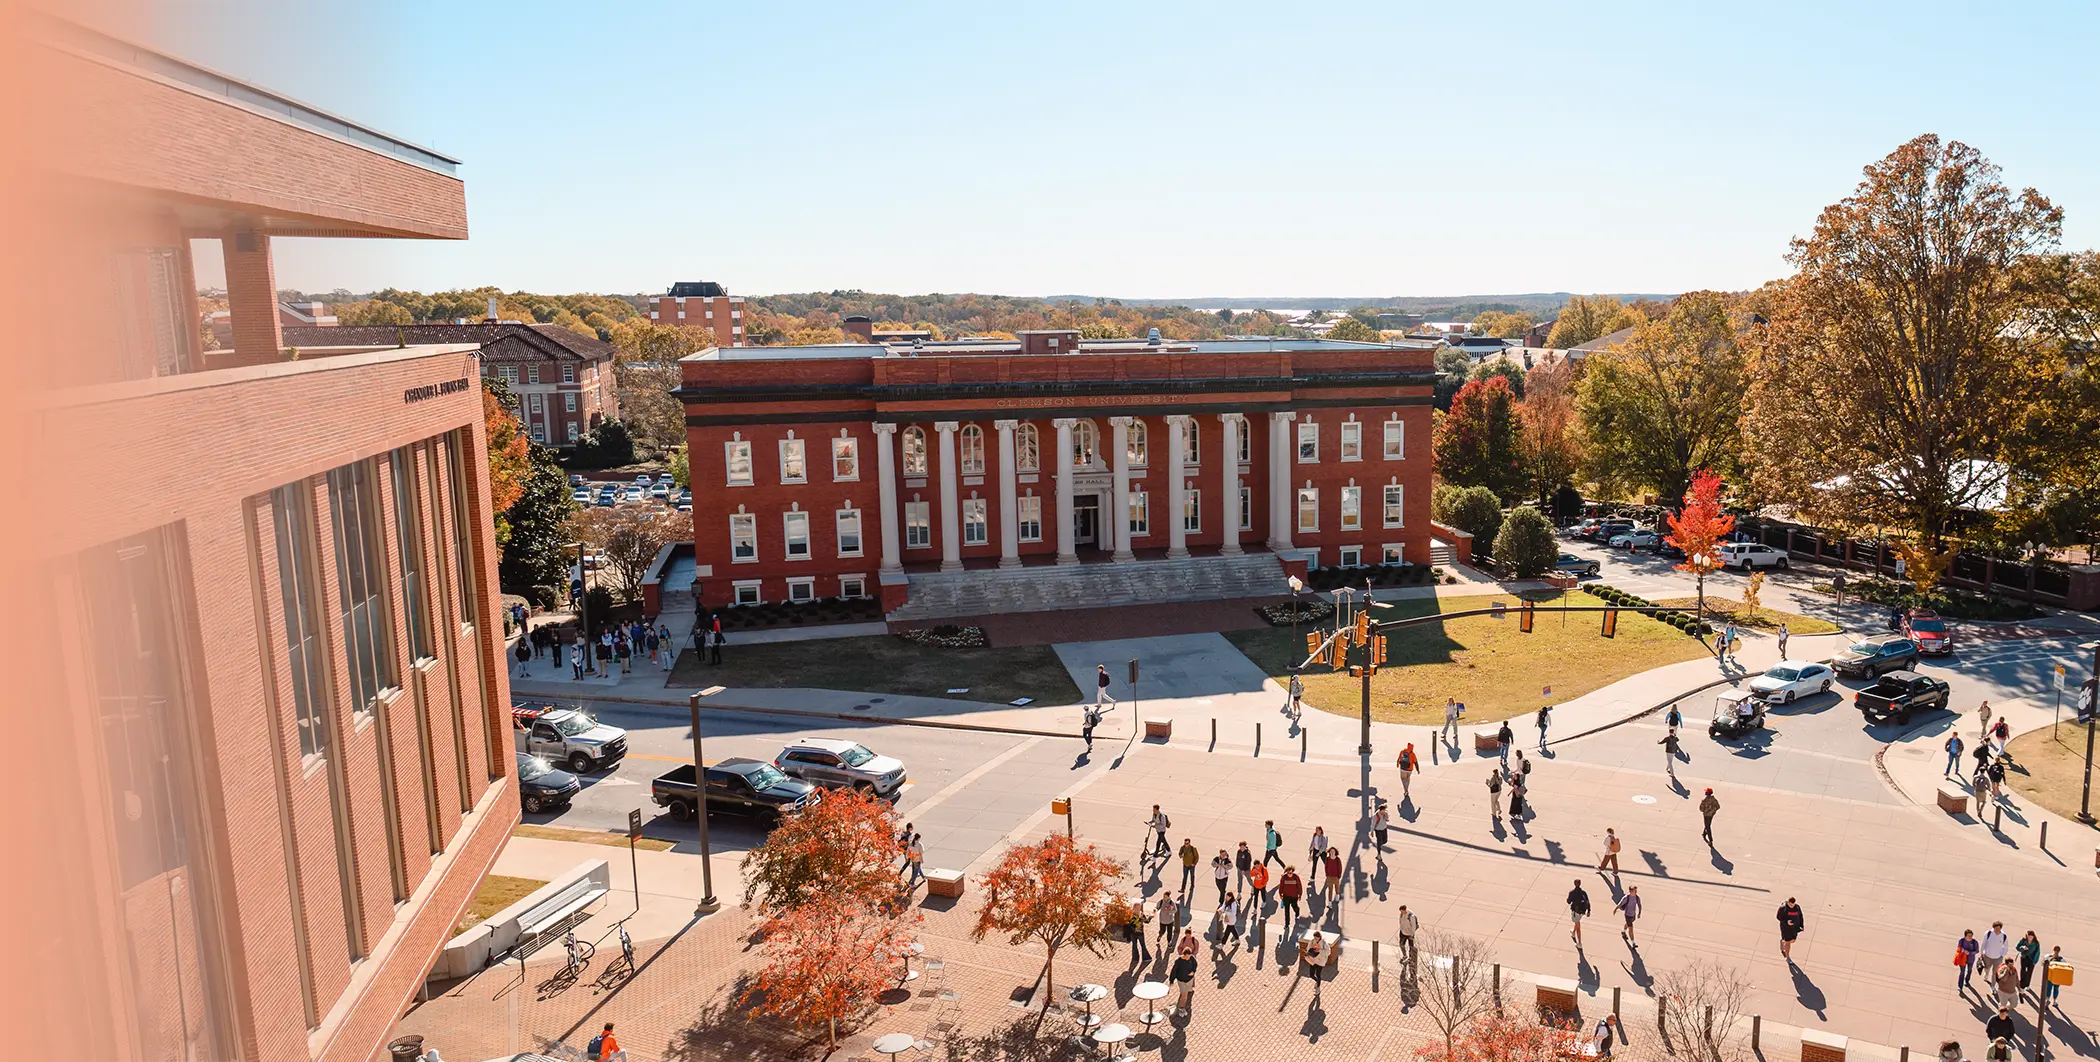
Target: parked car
[
  {"x": 642, "y": 480},
  {"x": 1789, "y": 679},
  {"x": 1929, "y": 630},
  {"x": 1744, "y": 556},
  {"x": 836, "y": 763},
  {"x": 1605, "y": 530},
  {"x": 632, "y": 494},
  {"x": 1669, "y": 550},
  {"x": 661, "y": 491},
  {"x": 582, "y": 495},
  {"x": 568, "y": 736},
  {"x": 541, "y": 787},
  {"x": 737, "y": 786},
  {"x": 576, "y": 479},
  {"x": 1638, "y": 538},
  {"x": 1579, "y": 567},
  {"x": 1898, "y": 694},
  {"x": 1875, "y": 656},
  {"x": 1585, "y": 529}
]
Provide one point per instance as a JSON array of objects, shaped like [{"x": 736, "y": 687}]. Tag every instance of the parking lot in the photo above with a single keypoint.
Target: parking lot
[{"x": 605, "y": 493}]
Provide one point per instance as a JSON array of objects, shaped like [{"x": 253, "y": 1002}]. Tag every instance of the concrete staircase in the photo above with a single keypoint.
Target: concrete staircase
[
  {"x": 941, "y": 595},
  {"x": 1440, "y": 554}
]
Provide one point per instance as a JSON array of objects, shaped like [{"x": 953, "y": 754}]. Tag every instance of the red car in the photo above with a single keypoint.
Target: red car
[{"x": 1929, "y": 631}]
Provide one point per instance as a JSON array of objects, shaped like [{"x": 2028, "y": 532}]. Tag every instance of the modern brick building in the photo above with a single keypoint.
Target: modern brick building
[
  {"x": 702, "y": 304},
  {"x": 273, "y": 753},
  {"x": 563, "y": 379},
  {"x": 858, "y": 469}
]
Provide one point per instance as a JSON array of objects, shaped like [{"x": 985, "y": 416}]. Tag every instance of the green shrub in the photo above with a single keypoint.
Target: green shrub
[{"x": 1525, "y": 543}]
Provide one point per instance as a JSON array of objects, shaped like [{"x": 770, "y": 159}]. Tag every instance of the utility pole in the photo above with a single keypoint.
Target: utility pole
[
  {"x": 2089, "y": 703},
  {"x": 708, "y": 903},
  {"x": 583, "y": 613}
]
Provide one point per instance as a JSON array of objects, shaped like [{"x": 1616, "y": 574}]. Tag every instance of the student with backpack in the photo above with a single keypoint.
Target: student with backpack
[
  {"x": 604, "y": 1045},
  {"x": 1089, "y": 721}
]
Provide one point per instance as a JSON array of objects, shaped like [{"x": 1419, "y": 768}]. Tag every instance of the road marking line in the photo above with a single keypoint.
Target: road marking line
[
  {"x": 980, "y": 771},
  {"x": 666, "y": 759}
]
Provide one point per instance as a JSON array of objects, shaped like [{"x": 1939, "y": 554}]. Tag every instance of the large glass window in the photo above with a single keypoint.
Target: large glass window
[
  {"x": 845, "y": 459},
  {"x": 1086, "y": 445},
  {"x": 462, "y": 539},
  {"x": 1308, "y": 442},
  {"x": 972, "y": 443},
  {"x": 1395, "y": 440},
  {"x": 1352, "y": 441},
  {"x": 1136, "y": 448},
  {"x": 1395, "y": 513},
  {"x": 793, "y": 466},
  {"x": 796, "y": 526},
  {"x": 1352, "y": 508},
  {"x": 1246, "y": 445},
  {"x": 737, "y": 456},
  {"x": 1309, "y": 509},
  {"x": 299, "y": 600},
  {"x": 914, "y": 451},
  {"x": 1030, "y": 517},
  {"x": 743, "y": 537},
  {"x": 360, "y": 571},
  {"x": 1028, "y": 451},
  {"x": 1246, "y": 506},
  {"x": 408, "y": 542},
  {"x": 849, "y": 532},
  {"x": 918, "y": 524},
  {"x": 1192, "y": 510},
  {"x": 1140, "y": 514},
  {"x": 976, "y": 531},
  {"x": 1191, "y": 442}
]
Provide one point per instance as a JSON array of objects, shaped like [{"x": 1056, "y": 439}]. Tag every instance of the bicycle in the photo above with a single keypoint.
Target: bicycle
[
  {"x": 580, "y": 953},
  {"x": 626, "y": 947}
]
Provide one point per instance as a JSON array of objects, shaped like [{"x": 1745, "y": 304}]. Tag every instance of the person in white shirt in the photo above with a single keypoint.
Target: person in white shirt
[
  {"x": 1408, "y": 925},
  {"x": 1996, "y": 945},
  {"x": 1450, "y": 718}
]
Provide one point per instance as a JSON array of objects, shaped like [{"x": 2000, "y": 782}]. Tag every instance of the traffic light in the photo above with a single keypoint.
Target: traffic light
[
  {"x": 1524, "y": 619},
  {"x": 1611, "y": 623},
  {"x": 1363, "y": 627},
  {"x": 1378, "y": 649}
]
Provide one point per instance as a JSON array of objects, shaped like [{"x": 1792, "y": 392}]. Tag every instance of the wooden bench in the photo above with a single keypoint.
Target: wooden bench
[
  {"x": 1162, "y": 729},
  {"x": 555, "y": 914},
  {"x": 941, "y": 881},
  {"x": 1819, "y": 1046},
  {"x": 1557, "y": 999},
  {"x": 1954, "y": 800},
  {"x": 1487, "y": 740}
]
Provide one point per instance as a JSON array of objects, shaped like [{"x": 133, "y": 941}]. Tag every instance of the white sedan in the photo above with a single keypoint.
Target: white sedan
[
  {"x": 1638, "y": 538},
  {"x": 1789, "y": 679}
]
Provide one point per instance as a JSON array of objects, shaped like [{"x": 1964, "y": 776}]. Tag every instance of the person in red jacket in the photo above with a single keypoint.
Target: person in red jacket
[{"x": 1289, "y": 889}]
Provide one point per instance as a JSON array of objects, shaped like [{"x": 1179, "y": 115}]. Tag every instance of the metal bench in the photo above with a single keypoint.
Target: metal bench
[{"x": 554, "y": 915}]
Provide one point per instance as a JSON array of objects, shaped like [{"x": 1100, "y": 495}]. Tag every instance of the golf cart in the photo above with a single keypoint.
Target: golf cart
[{"x": 1736, "y": 712}]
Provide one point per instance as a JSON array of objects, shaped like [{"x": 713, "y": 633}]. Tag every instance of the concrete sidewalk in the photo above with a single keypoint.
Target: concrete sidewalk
[{"x": 1915, "y": 765}]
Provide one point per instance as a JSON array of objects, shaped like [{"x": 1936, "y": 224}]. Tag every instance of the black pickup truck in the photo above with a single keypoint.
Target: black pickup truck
[
  {"x": 737, "y": 787},
  {"x": 1897, "y": 694}
]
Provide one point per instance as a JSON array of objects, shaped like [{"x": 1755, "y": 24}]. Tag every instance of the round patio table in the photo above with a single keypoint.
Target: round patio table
[
  {"x": 1151, "y": 992},
  {"x": 1111, "y": 1036},
  {"x": 1087, "y": 994},
  {"x": 906, "y": 953},
  {"x": 894, "y": 1044}
]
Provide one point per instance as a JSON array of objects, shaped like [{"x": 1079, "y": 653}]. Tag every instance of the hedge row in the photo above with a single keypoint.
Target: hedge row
[{"x": 1683, "y": 621}]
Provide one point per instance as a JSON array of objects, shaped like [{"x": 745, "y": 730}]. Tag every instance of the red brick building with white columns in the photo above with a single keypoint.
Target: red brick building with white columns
[{"x": 852, "y": 470}]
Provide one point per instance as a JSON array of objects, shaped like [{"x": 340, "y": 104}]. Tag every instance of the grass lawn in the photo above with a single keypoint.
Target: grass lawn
[
  {"x": 609, "y": 838},
  {"x": 885, "y": 664},
  {"x": 2054, "y": 763},
  {"x": 1486, "y": 662},
  {"x": 1767, "y": 619},
  {"x": 497, "y": 892}
]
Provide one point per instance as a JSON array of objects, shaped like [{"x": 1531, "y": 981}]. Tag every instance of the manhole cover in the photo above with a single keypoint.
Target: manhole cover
[
  {"x": 863, "y": 707},
  {"x": 1643, "y": 798},
  {"x": 878, "y": 700}
]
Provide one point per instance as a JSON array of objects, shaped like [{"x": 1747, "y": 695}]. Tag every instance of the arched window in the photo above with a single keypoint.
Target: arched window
[
  {"x": 914, "y": 451},
  {"x": 1136, "y": 449},
  {"x": 972, "y": 450},
  {"x": 1086, "y": 449},
  {"x": 1028, "y": 453},
  {"x": 1191, "y": 437}
]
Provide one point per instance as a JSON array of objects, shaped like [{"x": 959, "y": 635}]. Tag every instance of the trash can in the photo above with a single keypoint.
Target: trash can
[{"x": 405, "y": 1049}]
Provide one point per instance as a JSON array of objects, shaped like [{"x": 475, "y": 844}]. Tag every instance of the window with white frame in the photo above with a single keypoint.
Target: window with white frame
[
  {"x": 1395, "y": 440},
  {"x": 1246, "y": 445},
  {"x": 853, "y": 586},
  {"x": 743, "y": 537},
  {"x": 574, "y": 430},
  {"x": 849, "y": 532},
  {"x": 737, "y": 455},
  {"x": 747, "y": 592},
  {"x": 914, "y": 451},
  {"x": 1191, "y": 442},
  {"x": 918, "y": 525},
  {"x": 976, "y": 530},
  {"x": 1391, "y": 553},
  {"x": 1352, "y": 441},
  {"x": 1192, "y": 510},
  {"x": 539, "y": 432},
  {"x": 533, "y": 402},
  {"x": 803, "y": 589},
  {"x": 972, "y": 443},
  {"x": 1308, "y": 508},
  {"x": 568, "y": 401},
  {"x": 795, "y": 527},
  {"x": 845, "y": 459},
  {"x": 507, "y": 373},
  {"x": 1135, "y": 449},
  {"x": 1140, "y": 514},
  {"x": 1352, "y": 556},
  {"x": 568, "y": 374},
  {"x": 1395, "y": 511},
  {"x": 1028, "y": 450},
  {"x": 793, "y": 467},
  {"x": 532, "y": 374},
  {"x": 1086, "y": 449},
  {"x": 1246, "y": 508},
  {"x": 1308, "y": 443},
  {"x": 1352, "y": 508},
  {"x": 1029, "y": 519}
]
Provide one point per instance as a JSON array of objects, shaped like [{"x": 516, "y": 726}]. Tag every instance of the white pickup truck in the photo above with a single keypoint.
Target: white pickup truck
[{"x": 567, "y": 736}]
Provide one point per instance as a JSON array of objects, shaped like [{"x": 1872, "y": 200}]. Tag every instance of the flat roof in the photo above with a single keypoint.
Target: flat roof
[{"x": 1237, "y": 345}]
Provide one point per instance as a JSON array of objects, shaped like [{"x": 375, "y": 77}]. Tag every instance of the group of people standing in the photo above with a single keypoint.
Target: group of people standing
[{"x": 2007, "y": 970}]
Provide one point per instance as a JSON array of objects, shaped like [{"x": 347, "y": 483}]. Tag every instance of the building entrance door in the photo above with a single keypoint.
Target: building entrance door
[{"x": 1086, "y": 520}]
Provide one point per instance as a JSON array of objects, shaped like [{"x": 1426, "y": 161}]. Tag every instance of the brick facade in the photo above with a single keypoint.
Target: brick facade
[{"x": 721, "y": 315}]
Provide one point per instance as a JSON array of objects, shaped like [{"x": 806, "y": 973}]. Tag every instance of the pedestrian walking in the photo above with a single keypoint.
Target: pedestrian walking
[
  {"x": 1229, "y": 918},
  {"x": 1271, "y": 841},
  {"x": 1243, "y": 860},
  {"x": 2030, "y": 951},
  {"x": 915, "y": 855},
  {"x": 576, "y": 660},
  {"x": 524, "y": 655},
  {"x": 1629, "y": 907},
  {"x": 1157, "y": 826},
  {"x": 1965, "y": 951},
  {"x": 1503, "y": 737},
  {"x": 1601, "y": 1040},
  {"x": 1183, "y": 974},
  {"x": 1670, "y": 748},
  {"x": 1709, "y": 806},
  {"x": 1314, "y": 849},
  {"x": 1332, "y": 863},
  {"x": 1169, "y": 914},
  {"x": 1950, "y": 1051},
  {"x": 1408, "y": 764},
  {"x": 1494, "y": 784},
  {"x": 1994, "y": 948},
  {"x": 1189, "y": 856},
  {"x": 603, "y": 1046},
  {"x": 1294, "y": 698},
  {"x": 1221, "y": 870},
  {"x": 1409, "y": 925},
  {"x": 652, "y": 643},
  {"x": 623, "y": 651},
  {"x": 1790, "y": 926},
  {"x": 1381, "y": 822},
  {"x": 1522, "y": 771},
  {"x": 1090, "y": 719},
  {"x": 1953, "y": 747},
  {"x": 1288, "y": 889},
  {"x": 1312, "y": 958},
  {"x": 715, "y": 643},
  {"x": 1611, "y": 852},
  {"x": 1837, "y": 586},
  {"x": 1451, "y": 710},
  {"x": 1783, "y": 635},
  {"x": 2001, "y": 1028},
  {"x": 2007, "y": 982},
  {"x": 1258, "y": 880},
  {"x": 1727, "y": 640},
  {"x": 1100, "y": 684},
  {"x": 2001, "y": 1050},
  {"x": 1578, "y": 909},
  {"x": 1673, "y": 718},
  {"x": 2049, "y": 985},
  {"x": 1983, "y": 721},
  {"x": 1545, "y": 718},
  {"x": 1134, "y": 930},
  {"x": 1518, "y": 809},
  {"x": 669, "y": 655}
]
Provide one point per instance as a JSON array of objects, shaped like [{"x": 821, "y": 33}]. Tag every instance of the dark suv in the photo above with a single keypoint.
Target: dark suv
[
  {"x": 1876, "y": 656},
  {"x": 735, "y": 786}
]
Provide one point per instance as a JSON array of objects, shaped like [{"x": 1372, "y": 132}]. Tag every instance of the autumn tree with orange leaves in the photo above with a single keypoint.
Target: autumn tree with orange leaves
[
  {"x": 1698, "y": 529},
  {"x": 510, "y": 457},
  {"x": 1056, "y": 894},
  {"x": 843, "y": 845},
  {"x": 1499, "y": 1036},
  {"x": 826, "y": 960}
]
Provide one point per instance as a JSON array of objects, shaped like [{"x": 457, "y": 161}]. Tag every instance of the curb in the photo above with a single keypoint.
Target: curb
[{"x": 799, "y": 713}]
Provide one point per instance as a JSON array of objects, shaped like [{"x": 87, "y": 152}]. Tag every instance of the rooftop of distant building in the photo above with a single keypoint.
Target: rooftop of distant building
[{"x": 966, "y": 347}]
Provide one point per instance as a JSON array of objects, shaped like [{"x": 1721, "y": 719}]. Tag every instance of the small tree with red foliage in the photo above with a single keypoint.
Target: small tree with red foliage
[
  {"x": 1056, "y": 894},
  {"x": 826, "y": 959},
  {"x": 1698, "y": 529},
  {"x": 844, "y": 845},
  {"x": 1500, "y": 1036}
]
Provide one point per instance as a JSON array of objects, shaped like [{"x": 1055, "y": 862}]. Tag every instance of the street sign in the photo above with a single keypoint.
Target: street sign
[
  {"x": 634, "y": 824},
  {"x": 2062, "y": 682},
  {"x": 1133, "y": 671},
  {"x": 1500, "y": 608}
]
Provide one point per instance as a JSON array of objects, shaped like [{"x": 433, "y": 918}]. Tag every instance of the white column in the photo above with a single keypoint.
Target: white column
[
  {"x": 951, "y": 511},
  {"x": 1009, "y": 497},
  {"x": 1233, "y": 423},
  {"x": 1118, "y": 520},
  {"x": 886, "y": 486},
  {"x": 1282, "y": 462},
  {"x": 1177, "y": 489},
  {"x": 1067, "y": 549}
]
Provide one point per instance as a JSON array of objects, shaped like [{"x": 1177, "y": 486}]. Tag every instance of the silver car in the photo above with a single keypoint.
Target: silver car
[{"x": 840, "y": 764}]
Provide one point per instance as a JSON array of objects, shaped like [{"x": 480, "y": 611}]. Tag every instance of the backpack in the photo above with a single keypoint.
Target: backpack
[
  {"x": 597, "y": 1045},
  {"x": 1165, "y": 823}
]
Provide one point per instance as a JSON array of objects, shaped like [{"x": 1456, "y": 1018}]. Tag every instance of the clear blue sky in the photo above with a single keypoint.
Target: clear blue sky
[{"x": 1158, "y": 150}]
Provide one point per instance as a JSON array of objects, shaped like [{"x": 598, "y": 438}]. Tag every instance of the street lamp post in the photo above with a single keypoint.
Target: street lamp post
[
  {"x": 708, "y": 903},
  {"x": 583, "y": 612},
  {"x": 1297, "y": 585},
  {"x": 2090, "y": 703}
]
